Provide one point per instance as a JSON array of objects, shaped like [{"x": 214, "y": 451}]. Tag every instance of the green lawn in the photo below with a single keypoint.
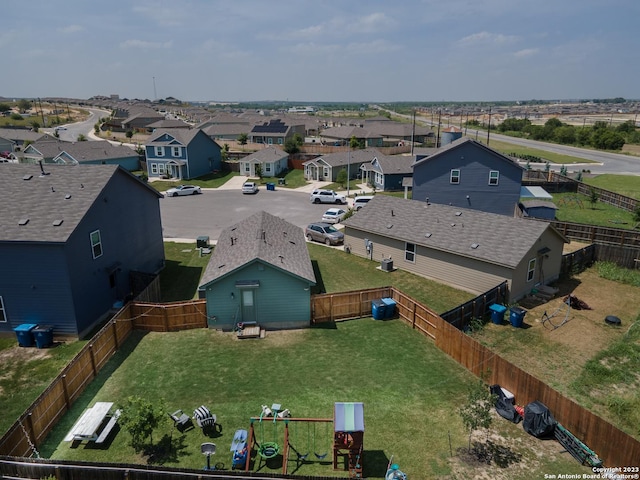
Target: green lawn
[
  {"x": 508, "y": 148},
  {"x": 409, "y": 388},
  {"x": 576, "y": 208},
  {"x": 211, "y": 180},
  {"x": 628, "y": 185}
]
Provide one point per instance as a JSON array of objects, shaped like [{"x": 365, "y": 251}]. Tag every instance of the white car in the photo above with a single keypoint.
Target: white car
[
  {"x": 327, "y": 196},
  {"x": 181, "y": 190},
  {"x": 334, "y": 215},
  {"x": 249, "y": 187},
  {"x": 361, "y": 201}
]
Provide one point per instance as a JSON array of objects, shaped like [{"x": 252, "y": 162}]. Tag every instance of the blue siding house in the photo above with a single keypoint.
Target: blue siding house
[
  {"x": 71, "y": 242},
  {"x": 182, "y": 154},
  {"x": 468, "y": 174},
  {"x": 260, "y": 271},
  {"x": 386, "y": 172}
]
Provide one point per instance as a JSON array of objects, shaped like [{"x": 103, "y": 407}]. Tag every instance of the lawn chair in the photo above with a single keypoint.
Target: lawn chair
[
  {"x": 181, "y": 420},
  {"x": 204, "y": 418}
]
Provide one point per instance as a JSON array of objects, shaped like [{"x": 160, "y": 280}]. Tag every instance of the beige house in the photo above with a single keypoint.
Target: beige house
[{"x": 467, "y": 249}]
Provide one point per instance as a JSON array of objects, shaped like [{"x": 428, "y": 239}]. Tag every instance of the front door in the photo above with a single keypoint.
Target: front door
[{"x": 248, "y": 306}]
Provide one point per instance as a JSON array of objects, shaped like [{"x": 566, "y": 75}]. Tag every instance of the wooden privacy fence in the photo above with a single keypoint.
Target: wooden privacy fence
[
  {"x": 36, "y": 422},
  {"x": 595, "y": 234},
  {"x": 615, "y": 447},
  {"x": 577, "y": 261}
]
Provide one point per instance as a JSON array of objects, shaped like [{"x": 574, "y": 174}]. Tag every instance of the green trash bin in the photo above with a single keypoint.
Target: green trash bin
[{"x": 43, "y": 335}]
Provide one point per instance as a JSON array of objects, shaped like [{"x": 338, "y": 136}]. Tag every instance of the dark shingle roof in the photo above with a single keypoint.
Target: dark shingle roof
[
  {"x": 343, "y": 158},
  {"x": 269, "y": 154},
  {"x": 263, "y": 237},
  {"x": 83, "y": 151},
  {"x": 65, "y": 194},
  {"x": 461, "y": 141},
  {"x": 393, "y": 164},
  {"x": 501, "y": 240}
]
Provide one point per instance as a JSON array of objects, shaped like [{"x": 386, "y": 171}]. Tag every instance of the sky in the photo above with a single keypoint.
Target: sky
[{"x": 321, "y": 50}]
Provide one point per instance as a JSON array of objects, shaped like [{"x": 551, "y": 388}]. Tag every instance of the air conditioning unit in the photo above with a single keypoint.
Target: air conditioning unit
[{"x": 386, "y": 265}]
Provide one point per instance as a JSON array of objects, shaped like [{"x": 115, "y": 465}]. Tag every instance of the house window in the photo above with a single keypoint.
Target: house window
[
  {"x": 410, "y": 252},
  {"x": 161, "y": 168},
  {"x": 175, "y": 151},
  {"x": 494, "y": 175},
  {"x": 247, "y": 167},
  {"x": 455, "y": 176},
  {"x": 270, "y": 141},
  {"x": 159, "y": 151},
  {"x": 96, "y": 244},
  {"x": 154, "y": 168},
  {"x": 280, "y": 141},
  {"x": 3, "y": 315},
  {"x": 326, "y": 172},
  {"x": 267, "y": 168},
  {"x": 531, "y": 270},
  {"x": 379, "y": 178}
]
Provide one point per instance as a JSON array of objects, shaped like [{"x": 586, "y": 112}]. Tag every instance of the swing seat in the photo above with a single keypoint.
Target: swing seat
[
  {"x": 321, "y": 456},
  {"x": 269, "y": 450}
]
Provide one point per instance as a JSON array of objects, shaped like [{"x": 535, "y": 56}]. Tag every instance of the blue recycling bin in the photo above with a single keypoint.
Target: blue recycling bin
[
  {"x": 43, "y": 335},
  {"x": 271, "y": 186},
  {"x": 24, "y": 334},
  {"x": 378, "y": 309},
  {"x": 517, "y": 316},
  {"x": 497, "y": 313},
  {"x": 390, "y": 307}
]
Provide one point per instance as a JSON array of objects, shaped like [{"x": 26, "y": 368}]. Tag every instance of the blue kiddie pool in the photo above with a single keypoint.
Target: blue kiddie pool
[{"x": 239, "y": 449}]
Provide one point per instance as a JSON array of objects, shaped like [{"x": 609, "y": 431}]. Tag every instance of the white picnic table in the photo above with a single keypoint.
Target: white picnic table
[{"x": 86, "y": 428}]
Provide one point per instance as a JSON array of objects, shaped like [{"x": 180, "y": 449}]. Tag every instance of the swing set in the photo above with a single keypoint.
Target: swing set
[{"x": 268, "y": 449}]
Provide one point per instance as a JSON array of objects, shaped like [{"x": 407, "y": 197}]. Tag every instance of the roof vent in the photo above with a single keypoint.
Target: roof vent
[
  {"x": 27, "y": 177},
  {"x": 23, "y": 221},
  {"x": 389, "y": 225},
  {"x": 428, "y": 234},
  {"x": 475, "y": 245},
  {"x": 53, "y": 189},
  {"x": 58, "y": 222},
  {"x": 458, "y": 214},
  {"x": 453, "y": 224},
  {"x": 67, "y": 196}
]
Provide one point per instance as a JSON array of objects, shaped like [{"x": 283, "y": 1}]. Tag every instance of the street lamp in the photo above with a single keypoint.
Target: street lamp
[{"x": 348, "y": 169}]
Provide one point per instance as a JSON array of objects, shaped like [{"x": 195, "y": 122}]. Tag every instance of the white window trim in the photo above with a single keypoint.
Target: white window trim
[
  {"x": 3, "y": 312},
  {"x": 154, "y": 168},
  {"x": 451, "y": 176},
  {"x": 159, "y": 151},
  {"x": 494, "y": 180},
  {"x": 161, "y": 168},
  {"x": 267, "y": 167},
  {"x": 175, "y": 151},
  {"x": 408, "y": 253},
  {"x": 270, "y": 141},
  {"x": 531, "y": 271},
  {"x": 94, "y": 245}
]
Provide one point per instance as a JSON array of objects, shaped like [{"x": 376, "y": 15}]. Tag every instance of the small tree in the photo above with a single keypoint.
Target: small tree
[
  {"x": 563, "y": 170},
  {"x": 225, "y": 152},
  {"x": 35, "y": 125},
  {"x": 476, "y": 412},
  {"x": 341, "y": 178},
  {"x": 82, "y": 138},
  {"x": 129, "y": 134},
  {"x": 291, "y": 146},
  {"x": 593, "y": 197},
  {"x": 24, "y": 105},
  {"x": 243, "y": 138},
  {"x": 258, "y": 170},
  {"x": 140, "y": 417},
  {"x": 96, "y": 128}
]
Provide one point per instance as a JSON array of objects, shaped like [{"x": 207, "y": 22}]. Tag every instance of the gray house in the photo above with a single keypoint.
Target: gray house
[
  {"x": 275, "y": 132},
  {"x": 467, "y": 249},
  {"x": 327, "y": 167},
  {"x": 468, "y": 174},
  {"x": 260, "y": 271},
  {"x": 85, "y": 153},
  {"x": 71, "y": 243},
  {"x": 387, "y": 172},
  {"x": 272, "y": 160}
]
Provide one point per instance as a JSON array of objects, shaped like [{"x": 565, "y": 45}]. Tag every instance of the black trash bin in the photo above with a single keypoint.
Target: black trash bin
[
  {"x": 24, "y": 334},
  {"x": 517, "y": 316},
  {"x": 43, "y": 335}
]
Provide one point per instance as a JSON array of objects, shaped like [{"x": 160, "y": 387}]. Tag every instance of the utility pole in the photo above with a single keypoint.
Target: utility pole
[
  {"x": 155, "y": 94},
  {"x": 348, "y": 169},
  {"x": 413, "y": 130},
  {"x": 489, "y": 129},
  {"x": 438, "y": 135}
]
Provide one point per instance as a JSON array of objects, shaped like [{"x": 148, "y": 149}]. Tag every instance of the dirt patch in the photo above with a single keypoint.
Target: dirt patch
[{"x": 22, "y": 355}]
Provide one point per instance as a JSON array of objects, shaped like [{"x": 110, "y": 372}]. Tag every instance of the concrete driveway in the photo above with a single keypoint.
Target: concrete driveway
[{"x": 184, "y": 219}]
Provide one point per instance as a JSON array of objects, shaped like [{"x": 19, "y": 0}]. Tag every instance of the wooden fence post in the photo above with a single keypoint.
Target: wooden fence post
[
  {"x": 166, "y": 319},
  {"x": 93, "y": 360},
  {"x": 65, "y": 391},
  {"x": 413, "y": 314},
  {"x": 32, "y": 433},
  {"x": 115, "y": 335}
]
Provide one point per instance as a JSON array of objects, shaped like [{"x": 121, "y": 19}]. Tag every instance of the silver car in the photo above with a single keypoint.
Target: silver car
[{"x": 324, "y": 232}]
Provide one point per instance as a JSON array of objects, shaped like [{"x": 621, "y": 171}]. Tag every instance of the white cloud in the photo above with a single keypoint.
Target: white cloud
[
  {"x": 486, "y": 38},
  {"x": 71, "y": 29},
  {"x": 526, "y": 52},
  {"x": 134, "y": 43}
]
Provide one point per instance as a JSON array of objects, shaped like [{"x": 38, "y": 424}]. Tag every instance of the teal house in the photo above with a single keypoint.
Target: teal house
[{"x": 260, "y": 271}]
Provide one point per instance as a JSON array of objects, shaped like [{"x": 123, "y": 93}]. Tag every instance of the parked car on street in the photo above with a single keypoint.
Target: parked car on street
[
  {"x": 361, "y": 201},
  {"x": 249, "y": 187},
  {"x": 324, "y": 232},
  {"x": 181, "y": 190},
  {"x": 327, "y": 196},
  {"x": 334, "y": 215}
]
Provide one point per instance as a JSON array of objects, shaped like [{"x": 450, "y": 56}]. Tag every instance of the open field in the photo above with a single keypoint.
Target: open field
[
  {"x": 574, "y": 207},
  {"x": 628, "y": 185},
  {"x": 509, "y": 148}
]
